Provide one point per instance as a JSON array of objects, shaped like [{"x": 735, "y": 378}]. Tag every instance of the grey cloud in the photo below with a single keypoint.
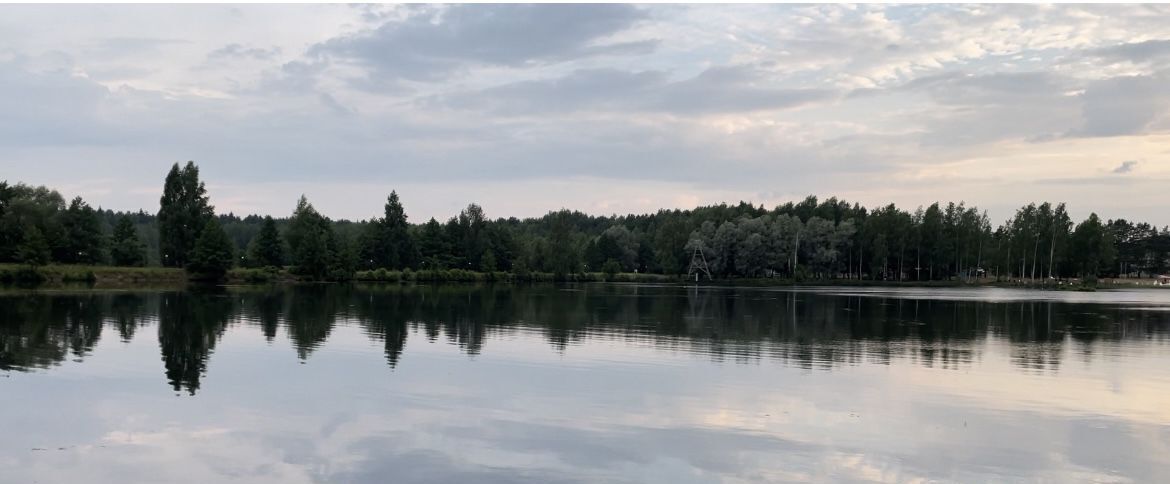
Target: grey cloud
[
  {"x": 970, "y": 109},
  {"x": 309, "y": 136},
  {"x": 1136, "y": 52},
  {"x": 137, "y": 43},
  {"x": 595, "y": 89},
  {"x": 1125, "y": 167},
  {"x": 52, "y": 108},
  {"x": 1038, "y": 106},
  {"x": 331, "y": 102},
  {"x": 994, "y": 89},
  {"x": 733, "y": 89},
  {"x": 717, "y": 90},
  {"x": 433, "y": 45},
  {"x": 1084, "y": 181},
  {"x": 129, "y": 47},
  {"x": 237, "y": 51},
  {"x": 420, "y": 465},
  {"x": 1124, "y": 105},
  {"x": 296, "y": 77}
]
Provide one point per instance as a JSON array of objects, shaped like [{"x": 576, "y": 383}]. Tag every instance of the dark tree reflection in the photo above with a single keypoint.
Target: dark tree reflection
[
  {"x": 804, "y": 329},
  {"x": 311, "y": 313},
  {"x": 128, "y": 313},
  {"x": 189, "y": 324}
]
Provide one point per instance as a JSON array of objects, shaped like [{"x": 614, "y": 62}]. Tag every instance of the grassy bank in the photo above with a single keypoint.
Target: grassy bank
[
  {"x": 114, "y": 276},
  {"x": 65, "y": 274},
  {"x": 460, "y": 275},
  {"x": 131, "y": 276}
]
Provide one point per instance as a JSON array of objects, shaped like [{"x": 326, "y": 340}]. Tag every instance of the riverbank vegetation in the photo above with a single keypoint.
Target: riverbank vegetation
[{"x": 810, "y": 240}]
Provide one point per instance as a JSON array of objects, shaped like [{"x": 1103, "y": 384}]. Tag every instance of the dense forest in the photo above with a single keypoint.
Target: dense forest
[{"x": 810, "y": 239}]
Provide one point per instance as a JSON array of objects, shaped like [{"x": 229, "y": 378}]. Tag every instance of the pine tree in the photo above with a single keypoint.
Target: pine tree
[
  {"x": 386, "y": 242},
  {"x": 83, "y": 241},
  {"x": 183, "y": 213},
  {"x": 312, "y": 242},
  {"x": 312, "y": 255},
  {"x": 402, "y": 251},
  {"x": 125, "y": 247},
  {"x": 432, "y": 244},
  {"x": 212, "y": 255},
  {"x": 266, "y": 249}
]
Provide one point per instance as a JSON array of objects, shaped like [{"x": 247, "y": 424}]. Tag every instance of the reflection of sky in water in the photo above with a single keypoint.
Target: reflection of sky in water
[{"x": 618, "y": 406}]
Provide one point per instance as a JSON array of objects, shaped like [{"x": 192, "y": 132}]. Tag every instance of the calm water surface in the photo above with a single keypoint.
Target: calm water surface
[{"x": 587, "y": 383}]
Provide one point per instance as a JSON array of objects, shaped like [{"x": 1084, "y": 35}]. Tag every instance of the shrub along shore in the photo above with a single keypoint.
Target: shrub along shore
[{"x": 127, "y": 276}]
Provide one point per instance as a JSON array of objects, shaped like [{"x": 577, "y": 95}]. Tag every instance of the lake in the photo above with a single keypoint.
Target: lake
[{"x": 583, "y": 383}]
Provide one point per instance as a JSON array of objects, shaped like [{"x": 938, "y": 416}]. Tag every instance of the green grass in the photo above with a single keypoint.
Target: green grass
[
  {"x": 63, "y": 274},
  {"x": 259, "y": 275}
]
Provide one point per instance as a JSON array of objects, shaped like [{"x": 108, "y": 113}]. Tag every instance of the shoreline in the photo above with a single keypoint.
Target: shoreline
[{"x": 122, "y": 277}]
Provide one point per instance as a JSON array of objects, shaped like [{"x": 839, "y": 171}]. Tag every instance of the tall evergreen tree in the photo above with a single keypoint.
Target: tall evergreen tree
[
  {"x": 266, "y": 249},
  {"x": 472, "y": 224},
  {"x": 83, "y": 241},
  {"x": 125, "y": 247},
  {"x": 212, "y": 255},
  {"x": 563, "y": 258},
  {"x": 402, "y": 250},
  {"x": 433, "y": 248},
  {"x": 386, "y": 242},
  {"x": 183, "y": 213},
  {"x": 317, "y": 251}
]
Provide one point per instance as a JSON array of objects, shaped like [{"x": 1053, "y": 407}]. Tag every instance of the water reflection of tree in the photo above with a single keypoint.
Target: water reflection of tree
[
  {"x": 383, "y": 313},
  {"x": 127, "y": 314},
  {"x": 31, "y": 333},
  {"x": 40, "y": 330},
  {"x": 189, "y": 324},
  {"x": 268, "y": 306},
  {"x": 83, "y": 322},
  {"x": 311, "y": 313},
  {"x": 806, "y": 330}
]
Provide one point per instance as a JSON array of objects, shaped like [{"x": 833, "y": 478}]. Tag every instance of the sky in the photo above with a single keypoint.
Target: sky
[{"x": 602, "y": 108}]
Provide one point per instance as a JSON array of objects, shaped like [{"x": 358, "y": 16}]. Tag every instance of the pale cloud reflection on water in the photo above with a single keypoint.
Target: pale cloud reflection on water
[{"x": 540, "y": 385}]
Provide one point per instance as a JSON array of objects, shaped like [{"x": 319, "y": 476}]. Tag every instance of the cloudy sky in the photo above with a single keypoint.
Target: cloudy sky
[{"x": 601, "y": 108}]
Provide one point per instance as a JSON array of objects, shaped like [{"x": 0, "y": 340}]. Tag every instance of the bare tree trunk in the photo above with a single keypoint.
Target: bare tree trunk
[
  {"x": 1035, "y": 249},
  {"x": 901, "y": 256},
  {"x": 1051, "y": 250},
  {"x": 795, "y": 252},
  {"x": 1008, "y": 260},
  {"x": 979, "y": 256}
]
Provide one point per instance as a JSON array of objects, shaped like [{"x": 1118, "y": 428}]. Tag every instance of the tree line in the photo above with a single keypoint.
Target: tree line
[{"x": 809, "y": 239}]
